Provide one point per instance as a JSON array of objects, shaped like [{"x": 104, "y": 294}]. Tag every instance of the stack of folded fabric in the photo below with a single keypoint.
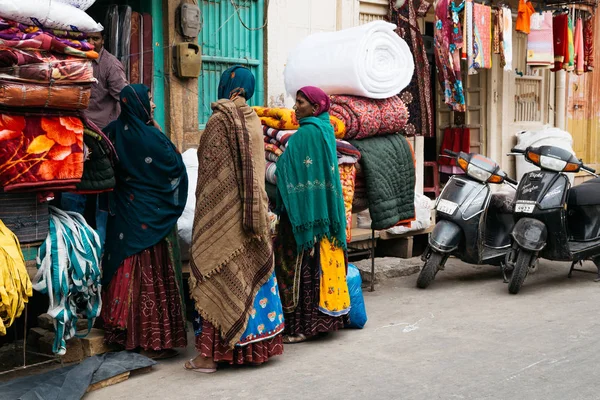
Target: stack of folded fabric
[
  {"x": 363, "y": 69},
  {"x": 46, "y": 75}
]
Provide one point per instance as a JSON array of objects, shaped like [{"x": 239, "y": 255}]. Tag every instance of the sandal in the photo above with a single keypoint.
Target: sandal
[
  {"x": 193, "y": 367},
  {"x": 292, "y": 339}
]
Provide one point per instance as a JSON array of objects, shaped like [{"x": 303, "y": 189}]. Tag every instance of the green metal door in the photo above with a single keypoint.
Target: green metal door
[{"x": 226, "y": 42}]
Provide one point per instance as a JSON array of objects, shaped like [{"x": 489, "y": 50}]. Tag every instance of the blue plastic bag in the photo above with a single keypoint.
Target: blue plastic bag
[{"x": 358, "y": 312}]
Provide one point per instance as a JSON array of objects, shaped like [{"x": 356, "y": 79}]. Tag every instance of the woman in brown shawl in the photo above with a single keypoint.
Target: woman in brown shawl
[{"x": 239, "y": 315}]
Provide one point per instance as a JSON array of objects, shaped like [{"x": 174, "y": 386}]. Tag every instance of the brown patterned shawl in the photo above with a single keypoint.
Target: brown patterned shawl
[{"x": 231, "y": 255}]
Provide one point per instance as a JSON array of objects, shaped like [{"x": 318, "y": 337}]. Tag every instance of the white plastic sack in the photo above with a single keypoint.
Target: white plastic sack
[
  {"x": 369, "y": 60},
  {"x": 48, "y": 14},
  {"x": 81, "y": 4},
  {"x": 423, "y": 207},
  {"x": 185, "y": 224}
]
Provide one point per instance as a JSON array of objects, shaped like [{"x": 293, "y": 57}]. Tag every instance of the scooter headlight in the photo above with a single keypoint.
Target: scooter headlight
[
  {"x": 552, "y": 163},
  {"x": 478, "y": 173}
]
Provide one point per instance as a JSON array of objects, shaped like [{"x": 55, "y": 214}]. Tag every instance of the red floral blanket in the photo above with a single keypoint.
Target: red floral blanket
[{"x": 40, "y": 152}]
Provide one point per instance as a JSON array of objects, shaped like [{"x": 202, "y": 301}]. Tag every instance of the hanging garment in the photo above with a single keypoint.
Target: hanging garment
[
  {"x": 507, "y": 36},
  {"x": 571, "y": 65},
  {"x": 540, "y": 48},
  {"x": 497, "y": 36},
  {"x": 579, "y": 52},
  {"x": 69, "y": 273},
  {"x": 456, "y": 140},
  {"x": 482, "y": 38},
  {"x": 525, "y": 12},
  {"x": 417, "y": 96},
  {"x": 447, "y": 59},
  {"x": 561, "y": 41},
  {"x": 469, "y": 28},
  {"x": 588, "y": 44},
  {"x": 15, "y": 286}
]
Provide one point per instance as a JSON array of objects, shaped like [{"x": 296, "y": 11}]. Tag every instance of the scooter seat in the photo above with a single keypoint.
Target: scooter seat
[
  {"x": 586, "y": 194},
  {"x": 503, "y": 202}
]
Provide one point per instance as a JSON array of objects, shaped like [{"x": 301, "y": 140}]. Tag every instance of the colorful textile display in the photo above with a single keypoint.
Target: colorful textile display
[
  {"x": 366, "y": 117},
  {"x": 20, "y": 36},
  {"x": 12, "y": 30},
  {"x": 560, "y": 28},
  {"x": 370, "y": 60},
  {"x": 49, "y": 14},
  {"x": 69, "y": 273},
  {"x": 447, "y": 58},
  {"x": 40, "y": 151},
  {"x": 285, "y": 119},
  {"x": 540, "y": 46},
  {"x": 348, "y": 178},
  {"x": 37, "y": 66},
  {"x": 571, "y": 27},
  {"x": 507, "y": 36},
  {"x": 525, "y": 12},
  {"x": 588, "y": 42},
  {"x": 389, "y": 167},
  {"x": 417, "y": 96},
  {"x": 43, "y": 95},
  {"x": 482, "y": 38},
  {"x": 15, "y": 285}
]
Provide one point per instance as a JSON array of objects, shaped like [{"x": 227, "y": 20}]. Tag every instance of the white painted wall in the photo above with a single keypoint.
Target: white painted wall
[{"x": 289, "y": 22}]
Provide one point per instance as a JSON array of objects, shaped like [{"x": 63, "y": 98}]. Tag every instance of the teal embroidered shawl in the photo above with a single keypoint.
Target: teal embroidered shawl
[{"x": 309, "y": 187}]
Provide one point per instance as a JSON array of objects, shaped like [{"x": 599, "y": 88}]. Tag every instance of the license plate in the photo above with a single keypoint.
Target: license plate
[
  {"x": 524, "y": 208},
  {"x": 446, "y": 207}
]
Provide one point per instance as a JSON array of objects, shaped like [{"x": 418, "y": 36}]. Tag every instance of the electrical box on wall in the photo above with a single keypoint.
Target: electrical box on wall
[
  {"x": 189, "y": 20},
  {"x": 187, "y": 60}
]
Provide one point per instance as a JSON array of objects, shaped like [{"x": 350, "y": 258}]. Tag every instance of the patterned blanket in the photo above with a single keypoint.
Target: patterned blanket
[
  {"x": 40, "y": 151},
  {"x": 40, "y": 66},
  {"x": 12, "y": 30},
  {"x": 366, "y": 117}
]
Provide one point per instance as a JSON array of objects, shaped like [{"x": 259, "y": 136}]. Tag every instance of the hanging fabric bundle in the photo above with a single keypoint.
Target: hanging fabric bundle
[
  {"x": 69, "y": 272},
  {"x": 15, "y": 286}
]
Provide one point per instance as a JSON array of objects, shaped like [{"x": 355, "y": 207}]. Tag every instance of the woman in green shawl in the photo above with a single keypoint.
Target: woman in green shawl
[
  {"x": 311, "y": 258},
  {"x": 141, "y": 269}
]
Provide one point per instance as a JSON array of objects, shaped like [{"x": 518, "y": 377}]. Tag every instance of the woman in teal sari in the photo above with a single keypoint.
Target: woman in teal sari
[
  {"x": 142, "y": 280},
  {"x": 311, "y": 245}
]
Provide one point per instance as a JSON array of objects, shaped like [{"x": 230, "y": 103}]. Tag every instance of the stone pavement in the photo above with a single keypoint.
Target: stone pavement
[{"x": 463, "y": 338}]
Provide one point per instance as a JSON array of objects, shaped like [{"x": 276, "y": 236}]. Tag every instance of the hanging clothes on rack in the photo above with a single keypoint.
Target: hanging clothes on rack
[
  {"x": 578, "y": 44},
  {"x": 525, "y": 12},
  {"x": 540, "y": 47},
  {"x": 507, "y": 36},
  {"x": 588, "y": 43},
  {"x": 447, "y": 58},
  {"x": 561, "y": 41},
  {"x": 417, "y": 96},
  {"x": 482, "y": 38},
  {"x": 455, "y": 139},
  {"x": 570, "y": 66}
]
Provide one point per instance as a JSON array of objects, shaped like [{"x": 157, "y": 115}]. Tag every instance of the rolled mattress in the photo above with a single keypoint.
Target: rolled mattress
[{"x": 369, "y": 61}]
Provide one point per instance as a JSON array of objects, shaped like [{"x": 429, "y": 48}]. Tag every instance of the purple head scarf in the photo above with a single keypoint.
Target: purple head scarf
[{"x": 317, "y": 97}]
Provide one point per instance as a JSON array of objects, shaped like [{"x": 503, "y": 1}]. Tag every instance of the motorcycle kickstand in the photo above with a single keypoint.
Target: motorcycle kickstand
[
  {"x": 505, "y": 278},
  {"x": 573, "y": 269}
]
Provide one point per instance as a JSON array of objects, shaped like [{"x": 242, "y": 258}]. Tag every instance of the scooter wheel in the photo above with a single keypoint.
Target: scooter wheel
[
  {"x": 524, "y": 260},
  {"x": 430, "y": 270}
]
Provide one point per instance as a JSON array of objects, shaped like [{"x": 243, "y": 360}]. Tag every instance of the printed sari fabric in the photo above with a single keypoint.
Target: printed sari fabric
[
  {"x": 482, "y": 38},
  {"x": 417, "y": 96},
  {"x": 334, "y": 298},
  {"x": 540, "y": 47},
  {"x": 40, "y": 151},
  {"x": 447, "y": 58}
]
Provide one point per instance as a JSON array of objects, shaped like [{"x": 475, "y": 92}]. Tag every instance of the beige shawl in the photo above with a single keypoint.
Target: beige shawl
[{"x": 231, "y": 255}]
